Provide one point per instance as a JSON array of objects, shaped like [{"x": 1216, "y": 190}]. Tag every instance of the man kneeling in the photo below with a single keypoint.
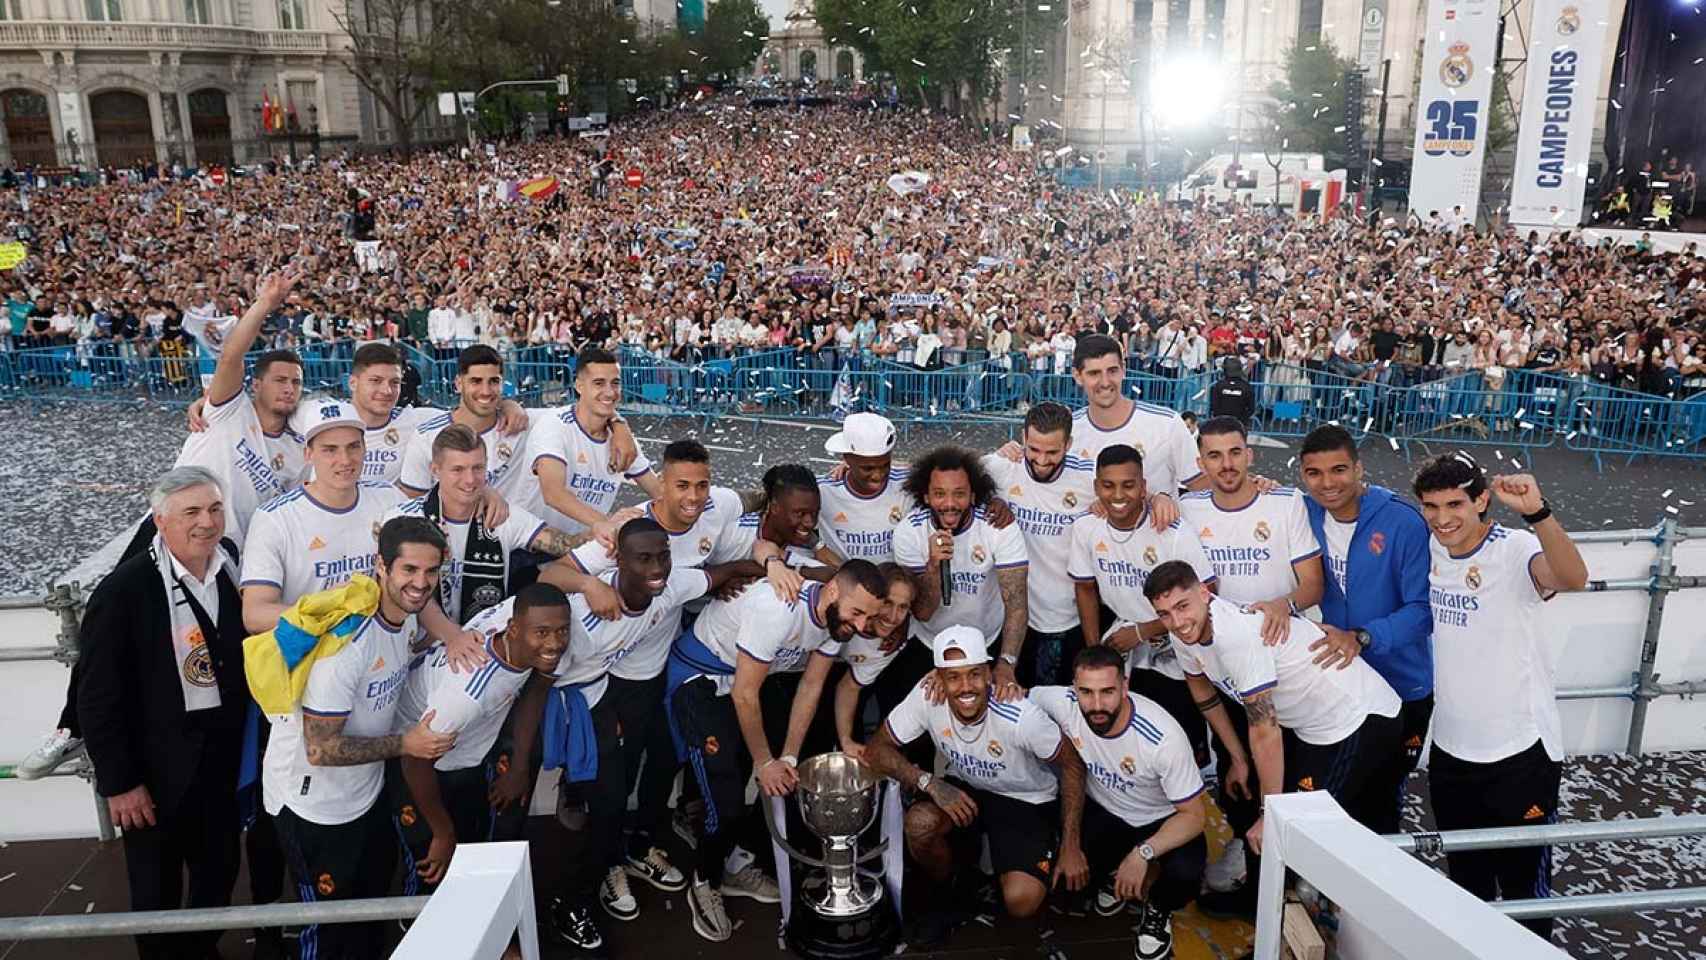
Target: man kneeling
[{"x": 998, "y": 782}]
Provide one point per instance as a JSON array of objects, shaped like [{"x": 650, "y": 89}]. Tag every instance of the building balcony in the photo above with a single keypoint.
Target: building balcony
[{"x": 94, "y": 35}]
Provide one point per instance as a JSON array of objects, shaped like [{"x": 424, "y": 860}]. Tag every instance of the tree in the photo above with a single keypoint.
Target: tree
[
  {"x": 394, "y": 47},
  {"x": 734, "y": 34},
  {"x": 1310, "y": 99}
]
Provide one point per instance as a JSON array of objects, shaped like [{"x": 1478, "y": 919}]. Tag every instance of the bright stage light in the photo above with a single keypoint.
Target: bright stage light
[{"x": 1188, "y": 92}]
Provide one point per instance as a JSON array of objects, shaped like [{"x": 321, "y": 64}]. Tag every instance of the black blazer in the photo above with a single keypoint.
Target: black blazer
[{"x": 130, "y": 701}]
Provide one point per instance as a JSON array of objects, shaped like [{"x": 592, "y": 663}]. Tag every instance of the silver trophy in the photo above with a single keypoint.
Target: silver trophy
[{"x": 841, "y": 912}]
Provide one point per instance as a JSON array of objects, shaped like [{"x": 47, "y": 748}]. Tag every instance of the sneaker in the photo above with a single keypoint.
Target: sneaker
[
  {"x": 710, "y": 920},
  {"x": 1228, "y": 872},
  {"x": 616, "y": 898},
  {"x": 1109, "y": 903},
  {"x": 932, "y": 929},
  {"x": 1238, "y": 904},
  {"x": 59, "y": 747},
  {"x": 574, "y": 926},
  {"x": 685, "y": 827},
  {"x": 751, "y": 882},
  {"x": 1048, "y": 948},
  {"x": 1153, "y": 939},
  {"x": 655, "y": 869}
]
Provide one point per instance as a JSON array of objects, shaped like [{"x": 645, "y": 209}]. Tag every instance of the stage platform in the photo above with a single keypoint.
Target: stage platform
[{"x": 1664, "y": 241}]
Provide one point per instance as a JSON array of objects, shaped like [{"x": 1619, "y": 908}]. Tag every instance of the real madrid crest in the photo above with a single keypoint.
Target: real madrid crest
[
  {"x": 278, "y": 463},
  {"x": 1262, "y": 531},
  {"x": 392, "y": 436},
  {"x": 894, "y": 514},
  {"x": 995, "y": 748},
  {"x": 704, "y": 546},
  {"x": 198, "y": 666},
  {"x": 978, "y": 554},
  {"x": 1456, "y": 69},
  {"x": 504, "y": 451},
  {"x": 1473, "y": 578},
  {"x": 1128, "y": 766},
  {"x": 1569, "y": 21},
  {"x": 1150, "y": 556},
  {"x": 1070, "y": 499}
]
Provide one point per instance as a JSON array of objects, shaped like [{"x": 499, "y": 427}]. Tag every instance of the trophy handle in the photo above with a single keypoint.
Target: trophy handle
[{"x": 781, "y": 841}]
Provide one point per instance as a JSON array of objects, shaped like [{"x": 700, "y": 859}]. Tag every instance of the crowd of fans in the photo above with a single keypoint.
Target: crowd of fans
[{"x": 759, "y": 230}]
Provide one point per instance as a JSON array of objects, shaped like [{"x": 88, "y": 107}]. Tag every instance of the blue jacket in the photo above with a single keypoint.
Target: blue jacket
[{"x": 1386, "y": 578}]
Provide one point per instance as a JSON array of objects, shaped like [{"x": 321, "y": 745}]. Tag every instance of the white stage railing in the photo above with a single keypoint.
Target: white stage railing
[{"x": 486, "y": 899}]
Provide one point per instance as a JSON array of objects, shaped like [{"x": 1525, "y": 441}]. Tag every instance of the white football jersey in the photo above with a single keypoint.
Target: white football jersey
[
  {"x": 1044, "y": 513},
  {"x": 781, "y": 634},
  {"x": 302, "y": 546},
  {"x": 979, "y": 551},
  {"x": 633, "y": 647},
  {"x": 362, "y": 683},
  {"x": 503, "y": 455},
  {"x": 867, "y": 656},
  {"x": 471, "y": 705},
  {"x": 1120, "y": 561},
  {"x": 712, "y": 538},
  {"x": 862, "y": 528},
  {"x": 1007, "y": 752},
  {"x": 1139, "y": 774},
  {"x": 254, "y": 467},
  {"x": 386, "y": 444},
  {"x": 1494, "y": 692},
  {"x": 586, "y": 466},
  {"x": 1252, "y": 548},
  {"x": 517, "y": 531},
  {"x": 1158, "y": 435},
  {"x": 1321, "y": 705}
]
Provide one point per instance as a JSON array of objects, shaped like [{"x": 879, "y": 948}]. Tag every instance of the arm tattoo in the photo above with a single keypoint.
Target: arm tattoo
[
  {"x": 328, "y": 747},
  {"x": 1207, "y": 703},
  {"x": 1014, "y": 603},
  {"x": 1260, "y": 709},
  {"x": 557, "y": 543}
]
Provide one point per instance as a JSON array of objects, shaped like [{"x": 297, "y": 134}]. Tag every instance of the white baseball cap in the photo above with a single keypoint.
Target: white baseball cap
[
  {"x": 326, "y": 414},
  {"x": 862, "y": 435},
  {"x": 967, "y": 640}
]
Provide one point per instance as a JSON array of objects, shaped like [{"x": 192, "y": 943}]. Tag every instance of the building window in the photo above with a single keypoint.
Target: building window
[
  {"x": 103, "y": 10},
  {"x": 292, "y": 15},
  {"x": 196, "y": 11},
  {"x": 11, "y": 9},
  {"x": 1308, "y": 23}
]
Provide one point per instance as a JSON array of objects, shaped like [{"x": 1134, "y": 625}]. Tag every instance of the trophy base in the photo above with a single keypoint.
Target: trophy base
[{"x": 863, "y": 936}]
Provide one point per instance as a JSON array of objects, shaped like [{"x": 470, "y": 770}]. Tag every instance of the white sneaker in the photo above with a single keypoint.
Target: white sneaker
[
  {"x": 656, "y": 870},
  {"x": 710, "y": 920},
  {"x": 616, "y": 898},
  {"x": 751, "y": 882},
  {"x": 1228, "y": 872},
  {"x": 59, "y": 747}
]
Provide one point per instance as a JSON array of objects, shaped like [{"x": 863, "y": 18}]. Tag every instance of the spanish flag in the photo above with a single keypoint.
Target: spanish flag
[
  {"x": 267, "y": 109},
  {"x": 277, "y": 662},
  {"x": 539, "y": 189}
]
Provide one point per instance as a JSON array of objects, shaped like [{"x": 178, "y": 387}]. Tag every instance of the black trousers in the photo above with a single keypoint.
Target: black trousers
[
  {"x": 1181, "y": 869},
  {"x": 463, "y": 793},
  {"x": 1518, "y": 790},
  {"x": 1396, "y": 767},
  {"x": 648, "y": 755},
  {"x": 345, "y": 861},
  {"x": 1354, "y": 770},
  {"x": 592, "y": 811},
  {"x": 1047, "y": 660},
  {"x": 198, "y": 836},
  {"x": 717, "y": 756}
]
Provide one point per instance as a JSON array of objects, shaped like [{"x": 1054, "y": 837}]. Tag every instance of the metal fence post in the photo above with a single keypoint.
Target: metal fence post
[
  {"x": 1663, "y": 571},
  {"x": 66, "y": 599}
]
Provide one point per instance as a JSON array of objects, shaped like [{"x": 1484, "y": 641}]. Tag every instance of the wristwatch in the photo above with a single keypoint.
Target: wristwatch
[
  {"x": 1010, "y": 659},
  {"x": 1146, "y": 851},
  {"x": 1362, "y": 638},
  {"x": 923, "y": 782}
]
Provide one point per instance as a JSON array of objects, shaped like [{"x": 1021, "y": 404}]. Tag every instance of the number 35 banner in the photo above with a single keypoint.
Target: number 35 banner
[{"x": 1451, "y": 125}]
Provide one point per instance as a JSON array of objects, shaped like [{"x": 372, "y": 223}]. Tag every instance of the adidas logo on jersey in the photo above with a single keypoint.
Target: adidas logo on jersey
[
  {"x": 1307, "y": 783},
  {"x": 580, "y": 458},
  {"x": 378, "y": 665},
  {"x": 1534, "y": 813},
  {"x": 1101, "y": 546},
  {"x": 839, "y": 518},
  {"x": 1206, "y": 533},
  {"x": 316, "y": 544},
  {"x": 1016, "y": 490}
]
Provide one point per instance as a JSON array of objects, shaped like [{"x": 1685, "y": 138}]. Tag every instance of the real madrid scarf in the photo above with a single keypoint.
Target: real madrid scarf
[
  {"x": 191, "y": 629},
  {"x": 484, "y": 564}
]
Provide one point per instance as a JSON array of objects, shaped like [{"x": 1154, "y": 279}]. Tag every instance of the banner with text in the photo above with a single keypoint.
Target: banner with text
[
  {"x": 1451, "y": 129},
  {"x": 1558, "y": 97}
]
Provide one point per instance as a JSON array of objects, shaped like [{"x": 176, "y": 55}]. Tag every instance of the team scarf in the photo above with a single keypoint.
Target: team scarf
[
  {"x": 484, "y": 564},
  {"x": 191, "y": 629}
]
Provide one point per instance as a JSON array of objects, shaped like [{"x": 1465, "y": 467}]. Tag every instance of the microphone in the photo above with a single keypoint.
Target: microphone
[{"x": 947, "y": 584}]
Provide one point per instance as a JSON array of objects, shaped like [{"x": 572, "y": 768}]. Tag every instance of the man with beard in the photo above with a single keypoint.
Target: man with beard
[
  {"x": 1146, "y": 810},
  {"x": 438, "y": 804},
  {"x": 997, "y": 782},
  {"x": 1310, "y": 727},
  {"x": 1109, "y": 559},
  {"x": 949, "y": 537},
  {"x": 324, "y": 771},
  {"x": 652, "y": 592},
  {"x": 866, "y": 656},
  {"x": 1046, "y": 490},
  {"x": 717, "y": 672}
]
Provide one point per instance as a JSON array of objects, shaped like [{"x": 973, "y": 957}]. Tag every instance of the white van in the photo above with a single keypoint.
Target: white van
[{"x": 1251, "y": 180}]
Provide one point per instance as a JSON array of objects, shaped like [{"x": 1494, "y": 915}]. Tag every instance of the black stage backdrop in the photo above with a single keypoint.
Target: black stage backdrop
[{"x": 1657, "y": 89}]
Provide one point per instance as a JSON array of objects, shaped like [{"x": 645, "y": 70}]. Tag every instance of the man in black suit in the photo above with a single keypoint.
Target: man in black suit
[{"x": 161, "y": 700}]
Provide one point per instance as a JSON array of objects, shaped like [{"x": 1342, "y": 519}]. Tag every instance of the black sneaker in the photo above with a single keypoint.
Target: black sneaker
[
  {"x": 1049, "y": 948},
  {"x": 1153, "y": 938},
  {"x": 933, "y": 929},
  {"x": 573, "y": 925},
  {"x": 1236, "y": 904}
]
